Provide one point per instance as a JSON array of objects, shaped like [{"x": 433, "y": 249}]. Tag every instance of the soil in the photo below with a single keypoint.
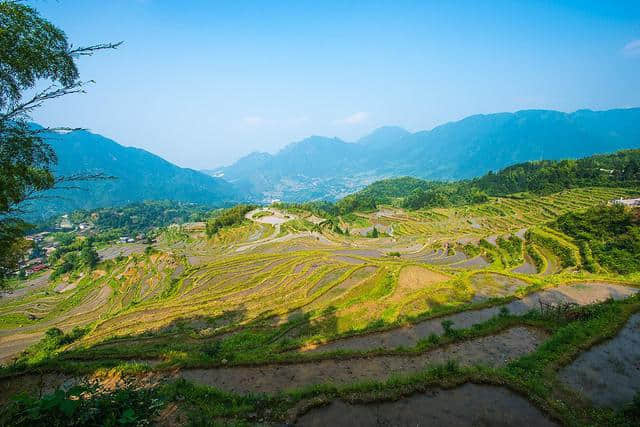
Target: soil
[
  {"x": 467, "y": 405},
  {"x": 491, "y": 285},
  {"x": 490, "y": 350},
  {"x": 414, "y": 278},
  {"x": 609, "y": 374},
  {"x": 579, "y": 293}
]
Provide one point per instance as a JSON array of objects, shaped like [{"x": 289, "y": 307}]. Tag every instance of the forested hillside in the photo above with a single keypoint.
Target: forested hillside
[
  {"x": 621, "y": 169},
  {"x": 138, "y": 176},
  {"x": 330, "y": 168}
]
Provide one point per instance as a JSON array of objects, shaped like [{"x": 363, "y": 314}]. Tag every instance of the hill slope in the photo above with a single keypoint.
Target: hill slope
[
  {"x": 326, "y": 168},
  {"x": 140, "y": 176}
]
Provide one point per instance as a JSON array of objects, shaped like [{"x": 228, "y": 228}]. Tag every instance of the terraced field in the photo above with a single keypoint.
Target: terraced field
[{"x": 281, "y": 305}]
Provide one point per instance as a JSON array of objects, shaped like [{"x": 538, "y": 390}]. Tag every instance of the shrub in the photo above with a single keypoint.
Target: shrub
[{"x": 84, "y": 405}]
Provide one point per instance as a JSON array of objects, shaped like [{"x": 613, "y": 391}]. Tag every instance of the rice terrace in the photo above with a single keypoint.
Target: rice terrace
[
  {"x": 480, "y": 269},
  {"x": 282, "y": 315}
]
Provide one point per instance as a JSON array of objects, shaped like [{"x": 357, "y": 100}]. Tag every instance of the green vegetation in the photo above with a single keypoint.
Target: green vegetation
[
  {"x": 134, "y": 218},
  {"x": 253, "y": 295},
  {"x": 511, "y": 249},
  {"x": 608, "y": 236},
  {"x": 541, "y": 178},
  {"x": 567, "y": 253},
  {"x": 85, "y": 405},
  {"x": 32, "y": 50},
  {"x": 227, "y": 218}
]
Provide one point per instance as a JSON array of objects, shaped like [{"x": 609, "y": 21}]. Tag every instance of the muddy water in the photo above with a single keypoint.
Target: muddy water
[
  {"x": 467, "y": 405},
  {"x": 477, "y": 262},
  {"x": 491, "y": 285},
  {"x": 579, "y": 293},
  {"x": 609, "y": 374},
  {"x": 527, "y": 267},
  {"x": 491, "y": 350}
]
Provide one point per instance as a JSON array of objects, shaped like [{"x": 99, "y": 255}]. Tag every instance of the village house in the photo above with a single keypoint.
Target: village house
[{"x": 626, "y": 202}]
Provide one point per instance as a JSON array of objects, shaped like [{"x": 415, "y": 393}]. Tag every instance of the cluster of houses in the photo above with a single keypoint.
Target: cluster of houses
[
  {"x": 626, "y": 202},
  {"x": 35, "y": 260}
]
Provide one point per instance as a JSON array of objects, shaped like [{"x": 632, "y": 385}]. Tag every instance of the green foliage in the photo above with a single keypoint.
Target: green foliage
[
  {"x": 80, "y": 253},
  {"x": 12, "y": 247},
  {"x": 227, "y": 218},
  {"x": 537, "y": 258},
  {"x": 32, "y": 49},
  {"x": 444, "y": 194},
  {"x": 356, "y": 202},
  {"x": 542, "y": 177},
  {"x": 47, "y": 347},
  {"x": 373, "y": 233},
  {"x": 550, "y": 176},
  {"x": 129, "y": 220},
  {"x": 512, "y": 250},
  {"x": 85, "y": 405},
  {"x": 567, "y": 254},
  {"x": 471, "y": 250},
  {"x": 608, "y": 236},
  {"x": 320, "y": 208}
]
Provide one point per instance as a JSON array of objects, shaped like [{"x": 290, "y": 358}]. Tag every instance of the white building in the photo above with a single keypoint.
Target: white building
[{"x": 626, "y": 202}]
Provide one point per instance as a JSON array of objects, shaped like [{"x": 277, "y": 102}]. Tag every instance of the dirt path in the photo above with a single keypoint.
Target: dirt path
[
  {"x": 467, "y": 405},
  {"x": 580, "y": 293},
  {"x": 490, "y": 350},
  {"x": 609, "y": 374}
]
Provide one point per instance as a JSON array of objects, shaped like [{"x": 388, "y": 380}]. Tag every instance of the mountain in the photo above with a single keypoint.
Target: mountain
[
  {"x": 384, "y": 137},
  {"x": 302, "y": 170},
  {"x": 140, "y": 175},
  {"x": 329, "y": 168}
]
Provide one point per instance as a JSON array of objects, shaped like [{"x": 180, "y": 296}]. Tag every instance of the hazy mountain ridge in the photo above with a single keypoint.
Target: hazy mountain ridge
[
  {"x": 319, "y": 167},
  {"x": 140, "y": 175}
]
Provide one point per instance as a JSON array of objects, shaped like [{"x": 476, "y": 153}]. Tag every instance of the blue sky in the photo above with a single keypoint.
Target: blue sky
[{"x": 202, "y": 83}]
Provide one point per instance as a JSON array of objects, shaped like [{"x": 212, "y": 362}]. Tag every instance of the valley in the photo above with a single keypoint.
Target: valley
[
  {"x": 306, "y": 312},
  {"x": 319, "y": 214}
]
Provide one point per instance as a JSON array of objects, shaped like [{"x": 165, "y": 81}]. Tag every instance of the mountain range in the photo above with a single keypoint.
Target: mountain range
[
  {"x": 139, "y": 175},
  {"x": 328, "y": 168}
]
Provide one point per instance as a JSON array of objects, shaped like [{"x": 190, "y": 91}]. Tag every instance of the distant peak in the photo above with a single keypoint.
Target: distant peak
[{"x": 384, "y": 135}]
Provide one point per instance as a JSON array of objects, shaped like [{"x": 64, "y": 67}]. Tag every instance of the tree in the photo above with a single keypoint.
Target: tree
[
  {"x": 32, "y": 50},
  {"x": 89, "y": 256}
]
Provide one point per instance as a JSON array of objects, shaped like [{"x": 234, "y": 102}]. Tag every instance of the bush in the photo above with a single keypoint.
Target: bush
[
  {"x": 227, "y": 218},
  {"x": 84, "y": 405},
  {"x": 607, "y": 236},
  {"x": 567, "y": 254}
]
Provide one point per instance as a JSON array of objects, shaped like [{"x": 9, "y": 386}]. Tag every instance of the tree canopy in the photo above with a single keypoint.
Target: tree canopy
[{"x": 32, "y": 50}]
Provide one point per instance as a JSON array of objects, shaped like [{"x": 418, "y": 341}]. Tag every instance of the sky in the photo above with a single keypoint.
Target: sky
[{"x": 203, "y": 83}]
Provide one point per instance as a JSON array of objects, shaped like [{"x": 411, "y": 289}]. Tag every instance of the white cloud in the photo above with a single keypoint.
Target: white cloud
[
  {"x": 632, "y": 48},
  {"x": 354, "y": 119}
]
